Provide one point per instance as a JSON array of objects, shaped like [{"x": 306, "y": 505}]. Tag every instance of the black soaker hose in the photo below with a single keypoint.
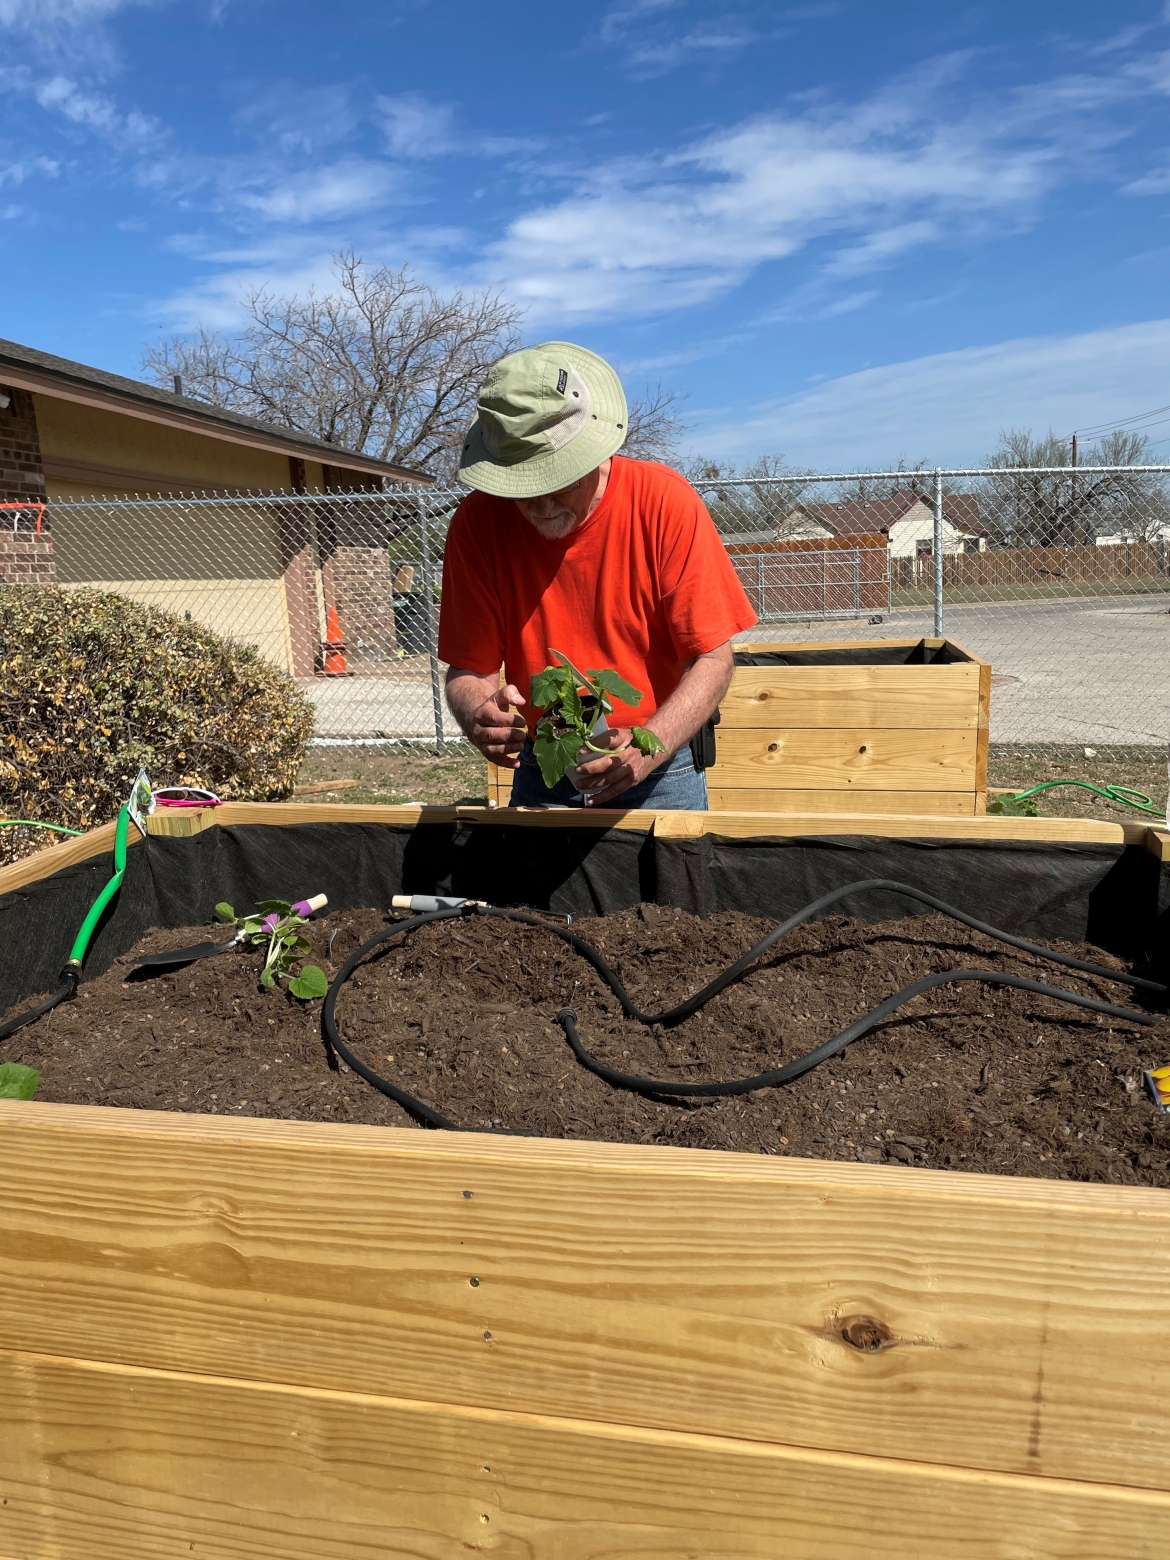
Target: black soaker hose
[{"x": 781, "y": 1075}]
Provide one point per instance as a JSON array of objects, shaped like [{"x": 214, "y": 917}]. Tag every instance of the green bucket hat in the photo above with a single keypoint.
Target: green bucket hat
[{"x": 547, "y": 415}]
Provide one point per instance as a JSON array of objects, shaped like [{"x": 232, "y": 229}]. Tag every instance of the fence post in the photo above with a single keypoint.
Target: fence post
[
  {"x": 938, "y": 554},
  {"x": 432, "y": 639}
]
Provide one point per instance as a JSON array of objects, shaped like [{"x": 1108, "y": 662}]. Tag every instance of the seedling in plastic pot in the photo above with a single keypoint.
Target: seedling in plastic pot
[
  {"x": 17, "y": 1082},
  {"x": 575, "y": 705},
  {"x": 278, "y": 931}
]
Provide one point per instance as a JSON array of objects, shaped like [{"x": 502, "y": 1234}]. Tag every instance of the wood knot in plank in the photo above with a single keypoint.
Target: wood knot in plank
[{"x": 866, "y": 1334}]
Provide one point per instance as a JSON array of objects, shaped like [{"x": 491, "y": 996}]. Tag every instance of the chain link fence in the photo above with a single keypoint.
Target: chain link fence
[{"x": 1060, "y": 577}]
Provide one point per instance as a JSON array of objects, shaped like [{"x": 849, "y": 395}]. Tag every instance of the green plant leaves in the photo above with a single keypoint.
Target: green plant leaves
[
  {"x": 17, "y": 1082},
  {"x": 225, "y": 911},
  {"x": 279, "y": 907},
  {"x": 556, "y": 754},
  {"x": 1013, "y": 807},
  {"x": 617, "y": 686},
  {"x": 557, "y": 689},
  {"x": 645, "y": 741},
  {"x": 311, "y": 982},
  {"x": 549, "y": 687}
]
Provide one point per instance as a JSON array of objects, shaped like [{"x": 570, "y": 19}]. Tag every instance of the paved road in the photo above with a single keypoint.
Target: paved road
[{"x": 1087, "y": 671}]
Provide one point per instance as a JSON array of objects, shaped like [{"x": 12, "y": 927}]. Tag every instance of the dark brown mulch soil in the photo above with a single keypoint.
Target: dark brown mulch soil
[{"x": 461, "y": 1015}]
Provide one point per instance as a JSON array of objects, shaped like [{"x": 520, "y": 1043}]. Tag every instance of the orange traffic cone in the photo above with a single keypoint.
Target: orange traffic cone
[{"x": 334, "y": 648}]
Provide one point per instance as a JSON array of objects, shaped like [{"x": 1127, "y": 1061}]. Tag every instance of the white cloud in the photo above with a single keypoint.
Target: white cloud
[
  {"x": 1156, "y": 182},
  {"x": 619, "y": 19},
  {"x": 649, "y": 44},
  {"x": 351, "y": 185},
  {"x": 300, "y": 119},
  {"x": 67, "y": 29},
  {"x": 904, "y": 168},
  {"x": 849, "y": 303},
  {"x": 878, "y": 249},
  {"x": 35, "y": 15},
  {"x": 416, "y": 127},
  {"x": 217, "y": 302},
  {"x": 95, "y": 111},
  {"x": 18, "y": 172},
  {"x": 682, "y": 228},
  {"x": 949, "y": 408}
]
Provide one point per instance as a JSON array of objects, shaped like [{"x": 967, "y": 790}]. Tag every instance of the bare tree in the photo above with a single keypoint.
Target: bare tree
[
  {"x": 381, "y": 365},
  {"x": 1044, "y": 508},
  {"x": 753, "y": 500},
  {"x": 903, "y": 478},
  {"x": 655, "y": 424}
]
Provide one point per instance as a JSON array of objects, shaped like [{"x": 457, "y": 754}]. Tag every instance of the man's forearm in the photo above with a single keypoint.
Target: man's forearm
[
  {"x": 488, "y": 714},
  {"x": 695, "y": 700},
  {"x": 466, "y": 692}
]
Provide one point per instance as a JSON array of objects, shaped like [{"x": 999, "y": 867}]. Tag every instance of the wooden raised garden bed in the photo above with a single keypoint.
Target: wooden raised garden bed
[{"x": 281, "y": 1340}]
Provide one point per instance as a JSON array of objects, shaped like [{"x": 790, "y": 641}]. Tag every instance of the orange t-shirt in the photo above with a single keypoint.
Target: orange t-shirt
[{"x": 641, "y": 586}]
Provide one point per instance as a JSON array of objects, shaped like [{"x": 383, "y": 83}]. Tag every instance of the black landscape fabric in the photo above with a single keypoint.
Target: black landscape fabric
[{"x": 1116, "y": 897}]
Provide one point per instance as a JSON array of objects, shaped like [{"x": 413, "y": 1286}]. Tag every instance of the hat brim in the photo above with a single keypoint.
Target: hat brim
[{"x": 602, "y": 436}]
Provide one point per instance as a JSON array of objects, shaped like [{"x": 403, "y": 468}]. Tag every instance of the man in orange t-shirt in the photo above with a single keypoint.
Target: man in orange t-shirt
[{"x": 613, "y": 562}]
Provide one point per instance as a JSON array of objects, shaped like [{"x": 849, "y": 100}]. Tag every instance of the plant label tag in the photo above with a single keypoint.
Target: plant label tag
[{"x": 141, "y": 803}]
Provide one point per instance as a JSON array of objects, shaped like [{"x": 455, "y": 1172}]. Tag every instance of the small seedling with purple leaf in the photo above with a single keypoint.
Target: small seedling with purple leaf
[{"x": 280, "y": 929}]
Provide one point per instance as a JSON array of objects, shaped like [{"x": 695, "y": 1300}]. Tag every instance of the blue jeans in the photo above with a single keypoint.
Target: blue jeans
[{"x": 677, "y": 786}]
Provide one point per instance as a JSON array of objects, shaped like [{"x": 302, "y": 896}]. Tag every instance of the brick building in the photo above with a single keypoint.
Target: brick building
[{"x": 69, "y": 432}]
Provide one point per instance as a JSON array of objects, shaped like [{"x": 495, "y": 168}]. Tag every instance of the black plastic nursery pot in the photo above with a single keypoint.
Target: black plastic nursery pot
[{"x": 291, "y": 1339}]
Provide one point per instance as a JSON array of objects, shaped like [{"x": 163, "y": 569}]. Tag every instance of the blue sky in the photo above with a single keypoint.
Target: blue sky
[{"x": 852, "y": 231}]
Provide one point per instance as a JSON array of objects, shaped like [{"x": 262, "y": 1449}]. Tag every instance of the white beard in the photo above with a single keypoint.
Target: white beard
[{"x": 554, "y": 526}]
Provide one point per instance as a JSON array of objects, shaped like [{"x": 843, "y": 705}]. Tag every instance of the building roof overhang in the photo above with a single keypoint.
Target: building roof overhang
[{"x": 43, "y": 374}]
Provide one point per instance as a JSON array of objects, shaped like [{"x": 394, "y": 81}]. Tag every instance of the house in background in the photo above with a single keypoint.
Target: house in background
[
  {"x": 1159, "y": 535},
  {"x": 906, "y": 519},
  {"x": 263, "y": 572}
]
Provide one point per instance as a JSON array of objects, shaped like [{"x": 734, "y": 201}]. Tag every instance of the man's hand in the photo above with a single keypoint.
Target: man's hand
[
  {"x": 497, "y": 730},
  {"x": 491, "y": 722},
  {"x": 610, "y": 776},
  {"x": 704, "y": 682}
]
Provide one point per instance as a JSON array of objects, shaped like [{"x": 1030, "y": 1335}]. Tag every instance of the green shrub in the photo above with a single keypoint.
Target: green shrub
[{"x": 94, "y": 687}]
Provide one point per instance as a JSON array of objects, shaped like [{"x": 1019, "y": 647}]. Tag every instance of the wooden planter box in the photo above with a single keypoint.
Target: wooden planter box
[
  {"x": 260, "y": 1340},
  {"x": 877, "y": 726},
  {"x": 884, "y": 726}
]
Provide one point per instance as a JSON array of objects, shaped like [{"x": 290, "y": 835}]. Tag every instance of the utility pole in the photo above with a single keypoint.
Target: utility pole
[{"x": 1074, "y": 477}]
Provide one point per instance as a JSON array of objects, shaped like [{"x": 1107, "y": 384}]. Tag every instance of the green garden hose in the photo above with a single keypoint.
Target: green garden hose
[
  {"x": 32, "y": 823},
  {"x": 81, "y": 941},
  {"x": 71, "y": 974},
  {"x": 1121, "y": 794}
]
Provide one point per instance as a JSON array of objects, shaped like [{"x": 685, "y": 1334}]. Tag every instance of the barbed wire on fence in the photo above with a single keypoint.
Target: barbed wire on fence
[{"x": 1057, "y": 575}]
